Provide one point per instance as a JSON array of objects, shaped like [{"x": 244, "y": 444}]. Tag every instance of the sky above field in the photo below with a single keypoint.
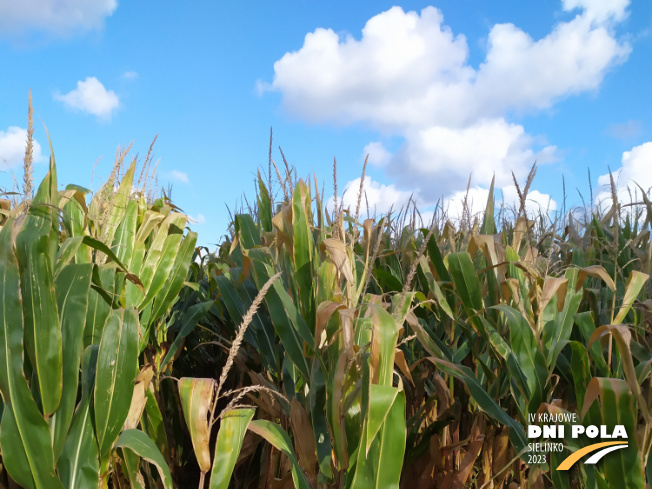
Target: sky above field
[{"x": 433, "y": 92}]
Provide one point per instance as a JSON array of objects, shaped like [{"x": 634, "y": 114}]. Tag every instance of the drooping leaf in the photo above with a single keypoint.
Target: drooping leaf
[
  {"x": 143, "y": 446},
  {"x": 196, "y": 400},
  {"x": 277, "y": 436}
]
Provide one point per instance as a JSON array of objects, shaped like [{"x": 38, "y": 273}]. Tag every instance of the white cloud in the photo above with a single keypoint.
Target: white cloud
[
  {"x": 599, "y": 10},
  {"x": 410, "y": 70},
  {"x": 636, "y": 169},
  {"x": 61, "y": 17},
  {"x": 199, "y": 219},
  {"x": 535, "y": 201},
  {"x": 476, "y": 202},
  {"x": 380, "y": 197},
  {"x": 12, "y": 147},
  {"x": 91, "y": 96},
  {"x": 409, "y": 75},
  {"x": 179, "y": 176},
  {"x": 378, "y": 155},
  {"x": 130, "y": 75},
  {"x": 447, "y": 157}
]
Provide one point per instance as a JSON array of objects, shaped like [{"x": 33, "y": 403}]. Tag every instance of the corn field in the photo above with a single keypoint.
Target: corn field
[{"x": 316, "y": 348}]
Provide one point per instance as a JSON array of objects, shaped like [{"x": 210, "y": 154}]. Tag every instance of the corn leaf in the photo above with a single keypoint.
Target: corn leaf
[
  {"x": 116, "y": 371},
  {"x": 277, "y": 436},
  {"x": 196, "y": 400},
  {"x": 228, "y": 445},
  {"x": 143, "y": 446}
]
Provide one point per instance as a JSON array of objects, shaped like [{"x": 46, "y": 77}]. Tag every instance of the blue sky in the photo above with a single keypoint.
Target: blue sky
[{"x": 434, "y": 92}]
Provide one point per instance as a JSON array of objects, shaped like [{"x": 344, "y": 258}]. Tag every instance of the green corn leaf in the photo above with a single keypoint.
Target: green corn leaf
[
  {"x": 170, "y": 229},
  {"x": 228, "y": 445},
  {"x": 169, "y": 292},
  {"x": 381, "y": 400},
  {"x": 264, "y": 205},
  {"x": 488, "y": 224},
  {"x": 303, "y": 252},
  {"x": 380, "y": 465},
  {"x": 247, "y": 231},
  {"x": 125, "y": 234},
  {"x": 118, "y": 202},
  {"x": 30, "y": 460},
  {"x": 117, "y": 365},
  {"x": 72, "y": 287},
  {"x": 238, "y": 298},
  {"x": 79, "y": 463},
  {"x": 317, "y": 400},
  {"x": 162, "y": 260},
  {"x": 635, "y": 283},
  {"x": 277, "y": 436},
  {"x": 98, "y": 309},
  {"x": 286, "y": 319},
  {"x": 528, "y": 354},
  {"x": 484, "y": 400},
  {"x": 437, "y": 260},
  {"x": 187, "y": 322},
  {"x": 435, "y": 289},
  {"x": 586, "y": 325},
  {"x": 383, "y": 346},
  {"x": 131, "y": 468},
  {"x": 68, "y": 250},
  {"x": 42, "y": 327},
  {"x": 466, "y": 281},
  {"x": 152, "y": 423},
  {"x": 558, "y": 331},
  {"x": 622, "y": 468},
  {"x": 143, "y": 446},
  {"x": 581, "y": 371}
]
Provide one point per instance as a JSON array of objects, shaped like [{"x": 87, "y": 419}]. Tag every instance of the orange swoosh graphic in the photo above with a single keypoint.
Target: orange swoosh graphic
[{"x": 575, "y": 456}]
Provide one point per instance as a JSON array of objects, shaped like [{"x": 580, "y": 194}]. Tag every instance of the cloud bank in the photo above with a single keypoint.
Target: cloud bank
[
  {"x": 59, "y": 17},
  {"x": 12, "y": 148},
  {"x": 409, "y": 75},
  {"x": 634, "y": 174}
]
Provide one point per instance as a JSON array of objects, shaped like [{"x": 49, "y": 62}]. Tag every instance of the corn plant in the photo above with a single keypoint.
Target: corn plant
[
  {"x": 73, "y": 297},
  {"x": 507, "y": 323}
]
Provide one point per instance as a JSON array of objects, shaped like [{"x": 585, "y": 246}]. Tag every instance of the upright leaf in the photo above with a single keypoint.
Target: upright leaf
[
  {"x": 228, "y": 444},
  {"x": 117, "y": 365}
]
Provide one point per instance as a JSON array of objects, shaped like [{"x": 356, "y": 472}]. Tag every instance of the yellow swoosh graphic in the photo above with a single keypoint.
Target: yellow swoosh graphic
[{"x": 575, "y": 456}]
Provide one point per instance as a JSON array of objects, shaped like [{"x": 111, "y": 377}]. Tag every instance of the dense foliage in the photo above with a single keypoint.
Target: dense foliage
[{"x": 315, "y": 348}]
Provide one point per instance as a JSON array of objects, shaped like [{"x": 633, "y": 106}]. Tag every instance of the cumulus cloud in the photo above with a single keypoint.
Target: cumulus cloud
[
  {"x": 410, "y": 70},
  {"x": 599, "y": 10},
  {"x": 377, "y": 154},
  {"x": 90, "y": 96},
  {"x": 60, "y": 17},
  {"x": 12, "y": 147},
  {"x": 446, "y": 157},
  {"x": 380, "y": 197},
  {"x": 179, "y": 176},
  {"x": 635, "y": 171},
  {"x": 409, "y": 75}
]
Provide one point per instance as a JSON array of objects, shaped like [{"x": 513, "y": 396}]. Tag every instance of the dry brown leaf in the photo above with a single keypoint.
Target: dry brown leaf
[
  {"x": 338, "y": 254},
  {"x": 139, "y": 397},
  {"x": 304, "y": 439}
]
